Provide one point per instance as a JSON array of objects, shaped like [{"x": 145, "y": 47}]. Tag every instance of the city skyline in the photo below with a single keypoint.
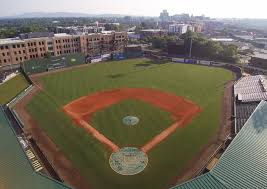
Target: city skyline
[{"x": 215, "y": 9}]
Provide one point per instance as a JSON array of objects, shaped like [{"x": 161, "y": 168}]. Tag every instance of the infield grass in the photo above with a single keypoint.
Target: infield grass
[
  {"x": 202, "y": 85},
  {"x": 12, "y": 88},
  {"x": 152, "y": 121}
]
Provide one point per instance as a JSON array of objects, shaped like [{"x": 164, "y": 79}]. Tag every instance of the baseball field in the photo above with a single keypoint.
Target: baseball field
[
  {"x": 11, "y": 88},
  {"x": 178, "y": 108}
]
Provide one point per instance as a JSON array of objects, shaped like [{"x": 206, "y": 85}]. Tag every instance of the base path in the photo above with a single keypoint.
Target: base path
[
  {"x": 81, "y": 110},
  {"x": 164, "y": 134},
  {"x": 63, "y": 166}
]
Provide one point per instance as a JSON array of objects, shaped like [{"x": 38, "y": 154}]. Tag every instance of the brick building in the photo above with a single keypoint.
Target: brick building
[{"x": 17, "y": 50}]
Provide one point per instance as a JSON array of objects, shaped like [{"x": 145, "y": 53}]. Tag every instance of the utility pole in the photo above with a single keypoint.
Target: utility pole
[{"x": 191, "y": 43}]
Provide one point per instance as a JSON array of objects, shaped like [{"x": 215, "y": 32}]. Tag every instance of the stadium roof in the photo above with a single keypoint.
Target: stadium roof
[
  {"x": 16, "y": 171},
  {"x": 251, "y": 88},
  {"x": 243, "y": 165}
]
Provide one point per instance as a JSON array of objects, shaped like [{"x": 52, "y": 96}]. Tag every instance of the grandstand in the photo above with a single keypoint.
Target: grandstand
[
  {"x": 251, "y": 89},
  {"x": 243, "y": 112},
  {"x": 16, "y": 171},
  {"x": 248, "y": 92},
  {"x": 243, "y": 165}
]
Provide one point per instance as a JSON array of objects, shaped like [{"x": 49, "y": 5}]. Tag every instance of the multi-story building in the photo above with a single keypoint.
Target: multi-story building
[
  {"x": 164, "y": 16},
  {"x": 77, "y": 30},
  {"x": 17, "y": 50},
  {"x": 178, "y": 28},
  {"x": 198, "y": 28},
  {"x": 152, "y": 33}
]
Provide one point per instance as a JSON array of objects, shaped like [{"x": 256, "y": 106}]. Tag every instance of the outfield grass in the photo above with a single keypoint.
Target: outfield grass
[
  {"x": 152, "y": 121},
  {"x": 12, "y": 88},
  {"x": 202, "y": 85}
]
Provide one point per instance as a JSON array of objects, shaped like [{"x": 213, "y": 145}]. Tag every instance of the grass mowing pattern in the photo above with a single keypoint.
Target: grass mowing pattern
[
  {"x": 12, "y": 88},
  {"x": 152, "y": 121},
  {"x": 202, "y": 85}
]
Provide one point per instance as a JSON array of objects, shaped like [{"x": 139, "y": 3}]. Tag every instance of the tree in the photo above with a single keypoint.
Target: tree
[{"x": 48, "y": 55}]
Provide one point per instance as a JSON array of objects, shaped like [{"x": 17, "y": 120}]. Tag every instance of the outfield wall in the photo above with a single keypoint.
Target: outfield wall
[{"x": 43, "y": 65}]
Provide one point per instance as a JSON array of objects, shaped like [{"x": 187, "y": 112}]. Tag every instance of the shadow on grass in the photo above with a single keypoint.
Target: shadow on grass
[
  {"x": 114, "y": 76},
  {"x": 149, "y": 65},
  {"x": 143, "y": 65}
]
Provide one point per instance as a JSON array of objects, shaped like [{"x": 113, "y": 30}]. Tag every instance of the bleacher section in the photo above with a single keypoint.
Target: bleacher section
[
  {"x": 16, "y": 171},
  {"x": 251, "y": 89},
  {"x": 243, "y": 112}
]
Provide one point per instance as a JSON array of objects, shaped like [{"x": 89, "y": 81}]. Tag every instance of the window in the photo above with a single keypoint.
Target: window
[
  {"x": 4, "y": 60},
  {"x": 34, "y": 43},
  {"x": 24, "y": 51},
  {"x": 17, "y": 59},
  {"x": 30, "y": 50},
  {"x": 2, "y": 47},
  {"x": 6, "y": 47},
  {"x": 18, "y": 46},
  {"x": 25, "y": 57},
  {"x": 19, "y": 52},
  {"x": 20, "y": 58},
  {"x": 15, "y": 52},
  {"x": 40, "y": 43},
  {"x": 7, "y": 53},
  {"x": 14, "y": 46},
  {"x": 3, "y": 54},
  {"x": 23, "y": 45}
]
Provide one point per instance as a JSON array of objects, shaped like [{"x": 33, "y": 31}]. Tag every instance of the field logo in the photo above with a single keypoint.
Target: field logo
[
  {"x": 130, "y": 120},
  {"x": 128, "y": 161}
]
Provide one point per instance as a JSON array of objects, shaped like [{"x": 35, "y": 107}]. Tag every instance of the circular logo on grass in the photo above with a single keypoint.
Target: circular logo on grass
[
  {"x": 128, "y": 161},
  {"x": 130, "y": 120}
]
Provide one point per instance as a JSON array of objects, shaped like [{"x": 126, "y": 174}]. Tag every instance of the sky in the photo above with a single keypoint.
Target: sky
[{"x": 211, "y": 8}]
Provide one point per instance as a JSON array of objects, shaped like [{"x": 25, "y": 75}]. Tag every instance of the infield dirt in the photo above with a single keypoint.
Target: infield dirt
[{"x": 82, "y": 109}]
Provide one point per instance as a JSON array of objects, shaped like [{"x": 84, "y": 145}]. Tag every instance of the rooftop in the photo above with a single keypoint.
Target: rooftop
[
  {"x": 243, "y": 164},
  {"x": 223, "y": 39},
  {"x": 152, "y": 30},
  {"x": 8, "y": 41},
  {"x": 260, "y": 55},
  {"x": 16, "y": 171},
  {"x": 62, "y": 35}
]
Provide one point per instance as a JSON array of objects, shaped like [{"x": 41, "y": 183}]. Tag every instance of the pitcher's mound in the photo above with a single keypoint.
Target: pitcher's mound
[{"x": 128, "y": 161}]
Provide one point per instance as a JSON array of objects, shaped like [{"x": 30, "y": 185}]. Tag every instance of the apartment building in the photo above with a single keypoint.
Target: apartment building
[
  {"x": 178, "y": 28},
  {"x": 17, "y": 50},
  {"x": 63, "y": 44}
]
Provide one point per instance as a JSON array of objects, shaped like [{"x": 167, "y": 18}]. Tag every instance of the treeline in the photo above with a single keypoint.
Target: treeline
[
  {"x": 159, "y": 42},
  {"x": 202, "y": 47},
  {"x": 9, "y": 32}
]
